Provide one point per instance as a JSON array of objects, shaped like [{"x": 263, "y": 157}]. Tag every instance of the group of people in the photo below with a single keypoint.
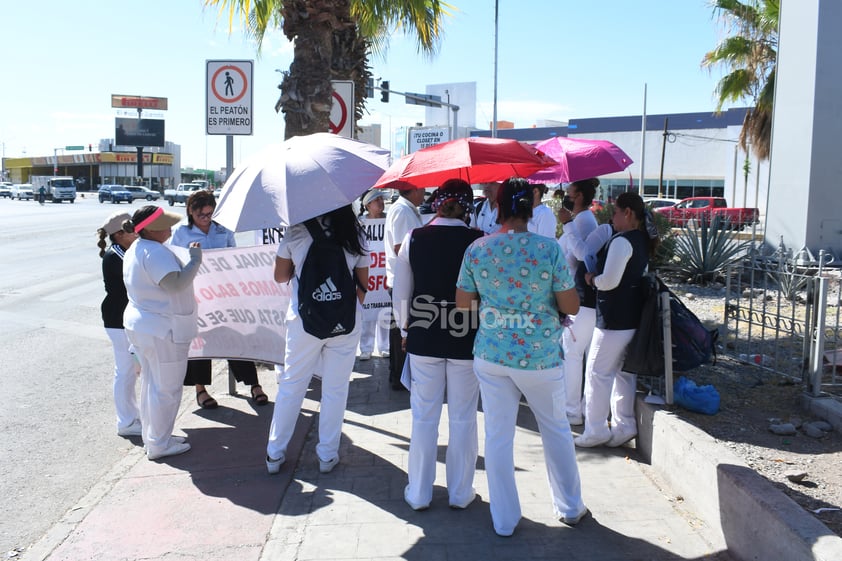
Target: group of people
[
  {"x": 149, "y": 313},
  {"x": 485, "y": 302}
]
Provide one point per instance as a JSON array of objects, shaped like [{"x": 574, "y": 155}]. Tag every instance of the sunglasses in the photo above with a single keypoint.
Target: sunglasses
[{"x": 204, "y": 215}]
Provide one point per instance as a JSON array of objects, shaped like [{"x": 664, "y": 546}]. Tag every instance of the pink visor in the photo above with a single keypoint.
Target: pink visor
[{"x": 148, "y": 220}]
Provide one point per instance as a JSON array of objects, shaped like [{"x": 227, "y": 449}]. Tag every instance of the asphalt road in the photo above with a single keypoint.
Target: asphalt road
[{"x": 57, "y": 425}]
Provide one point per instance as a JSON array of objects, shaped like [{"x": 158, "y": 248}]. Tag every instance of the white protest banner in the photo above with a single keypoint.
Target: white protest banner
[
  {"x": 241, "y": 307},
  {"x": 377, "y": 298}
]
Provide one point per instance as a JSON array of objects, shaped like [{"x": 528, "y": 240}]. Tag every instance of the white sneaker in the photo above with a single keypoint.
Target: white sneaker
[
  {"x": 365, "y": 356},
  {"x": 412, "y": 504},
  {"x": 274, "y": 466},
  {"x": 327, "y": 466},
  {"x": 384, "y": 354},
  {"x": 573, "y": 520},
  {"x": 575, "y": 419},
  {"x": 464, "y": 504},
  {"x": 620, "y": 437},
  {"x": 173, "y": 449},
  {"x": 591, "y": 440},
  {"x": 133, "y": 429}
]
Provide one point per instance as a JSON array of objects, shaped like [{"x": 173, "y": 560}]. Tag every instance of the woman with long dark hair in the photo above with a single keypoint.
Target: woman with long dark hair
[
  {"x": 334, "y": 356},
  {"x": 621, "y": 264},
  {"x": 118, "y": 229},
  {"x": 522, "y": 284}
]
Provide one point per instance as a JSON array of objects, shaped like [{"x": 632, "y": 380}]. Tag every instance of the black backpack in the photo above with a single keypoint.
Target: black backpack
[
  {"x": 693, "y": 344},
  {"x": 326, "y": 290}
]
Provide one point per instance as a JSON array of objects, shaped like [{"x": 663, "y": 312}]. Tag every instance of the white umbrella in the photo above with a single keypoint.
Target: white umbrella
[{"x": 305, "y": 176}]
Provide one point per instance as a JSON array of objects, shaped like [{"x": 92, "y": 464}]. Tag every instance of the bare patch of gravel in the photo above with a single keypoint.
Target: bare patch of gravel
[{"x": 754, "y": 399}]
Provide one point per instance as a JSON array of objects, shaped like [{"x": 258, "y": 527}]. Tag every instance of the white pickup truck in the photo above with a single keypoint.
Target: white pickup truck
[{"x": 181, "y": 192}]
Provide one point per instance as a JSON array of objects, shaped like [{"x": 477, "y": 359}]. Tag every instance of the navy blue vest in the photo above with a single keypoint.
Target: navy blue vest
[
  {"x": 622, "y": 307},
  {"x": 436, "y": 327},
  {"x": 587, "y": 293}
]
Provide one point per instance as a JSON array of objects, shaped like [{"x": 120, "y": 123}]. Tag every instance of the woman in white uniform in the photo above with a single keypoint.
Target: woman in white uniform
[
  {"x": 620, "y": 267},
  {"x": 210, "y": 235},
  {"x": 117, "y": 228},
  {"x": 440, "y": 353},
  {"x": 160, "y": 322},
  {"x": 334, "y": 356},
  {"x": 374, "y": 330},
  {"x": 582, "y": 239},
  {"x": 522, "y": 284}
]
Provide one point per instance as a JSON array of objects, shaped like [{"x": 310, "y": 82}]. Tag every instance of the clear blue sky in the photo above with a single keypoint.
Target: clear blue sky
[{"x": 558, "y": 59}]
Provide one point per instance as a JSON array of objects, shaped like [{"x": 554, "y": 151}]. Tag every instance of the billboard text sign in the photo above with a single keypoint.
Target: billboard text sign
[
  {"x": 139, "y": 132},
  {"x": 138, "y": 102},
  {"x": 229, "y": 96},
  {"x": 425, "y": 137}
]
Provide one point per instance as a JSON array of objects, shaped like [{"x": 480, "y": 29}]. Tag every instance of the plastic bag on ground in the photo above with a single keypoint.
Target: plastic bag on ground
[{"x": 700, "y": 399}]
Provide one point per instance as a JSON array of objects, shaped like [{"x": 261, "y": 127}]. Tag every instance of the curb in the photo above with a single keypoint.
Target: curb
[{"x": 753, "y": 519}]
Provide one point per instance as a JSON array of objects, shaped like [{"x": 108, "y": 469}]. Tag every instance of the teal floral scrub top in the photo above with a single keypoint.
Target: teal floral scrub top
[{"x": 516, "y": 275}]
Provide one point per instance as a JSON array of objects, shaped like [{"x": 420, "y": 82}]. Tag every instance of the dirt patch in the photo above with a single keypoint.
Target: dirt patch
[{"x": 751, "y": 400}]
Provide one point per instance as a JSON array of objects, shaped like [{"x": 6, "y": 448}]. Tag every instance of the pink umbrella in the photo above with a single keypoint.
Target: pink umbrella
[
  {"x": 476, "y": 160},
  {"x": 579, "y": 158}
]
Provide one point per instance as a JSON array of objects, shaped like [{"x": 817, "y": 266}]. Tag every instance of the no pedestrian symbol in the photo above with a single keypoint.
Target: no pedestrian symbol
[
  {"x": 229, "y": 97},
  {"x": 342, "y": 109}
]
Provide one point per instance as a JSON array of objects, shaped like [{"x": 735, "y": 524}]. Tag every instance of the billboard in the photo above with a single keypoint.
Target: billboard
[
  {"x": 424, "y": 137},
  {"x": 139, "y": 132}
]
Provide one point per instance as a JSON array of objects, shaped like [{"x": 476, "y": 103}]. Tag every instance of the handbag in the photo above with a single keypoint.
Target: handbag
[{"x": 645, "y": 352}]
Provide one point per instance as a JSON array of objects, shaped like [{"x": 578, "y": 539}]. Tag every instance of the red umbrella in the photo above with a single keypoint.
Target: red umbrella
[
  {"x": 476, "y": 160},
  {"x": 579, "y": 158}
]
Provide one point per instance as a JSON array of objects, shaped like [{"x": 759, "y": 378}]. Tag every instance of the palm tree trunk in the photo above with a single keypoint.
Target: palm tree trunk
[{"x": 306, "y": 93}]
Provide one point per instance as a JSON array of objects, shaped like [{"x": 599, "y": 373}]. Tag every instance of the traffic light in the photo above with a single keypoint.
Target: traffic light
[
  {"x": 369, "y": 88},
  {"x": 384, "y": 91}
]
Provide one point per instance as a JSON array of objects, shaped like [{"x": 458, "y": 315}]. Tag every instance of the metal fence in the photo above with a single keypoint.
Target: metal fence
[{"x": 782, "y": 313}]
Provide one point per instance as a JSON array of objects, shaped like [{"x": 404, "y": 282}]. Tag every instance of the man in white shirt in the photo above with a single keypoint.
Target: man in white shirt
[
  {"x": 543, "y": 219},
  {"x": 485, "y": 213},
  {"x": 402, "y": 217}
]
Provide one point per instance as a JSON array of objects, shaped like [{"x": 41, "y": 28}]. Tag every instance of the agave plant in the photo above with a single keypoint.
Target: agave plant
[{"x": 704, "y": 249}]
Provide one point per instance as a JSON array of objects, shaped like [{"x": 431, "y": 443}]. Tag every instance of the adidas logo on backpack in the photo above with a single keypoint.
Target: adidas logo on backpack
[{"x": 327, "y": 292}]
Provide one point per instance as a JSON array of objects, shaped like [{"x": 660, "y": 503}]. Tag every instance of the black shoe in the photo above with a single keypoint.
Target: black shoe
[{"x": 397, "y": 386}]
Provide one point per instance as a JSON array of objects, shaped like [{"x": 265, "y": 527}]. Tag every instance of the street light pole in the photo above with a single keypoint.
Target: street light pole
[
  {"x": 494, "y": 104},
  {"x": 55, "y": 160}
]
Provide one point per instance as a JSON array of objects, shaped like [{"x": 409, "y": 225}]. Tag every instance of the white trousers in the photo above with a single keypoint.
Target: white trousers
[
  {"x": 162, "y": 367},
  {"x": 374, "y": 331},
  {"x": 125, "y": 378},
  {"x": 609, "y": 390},
  {"x": 501, "y": 388},
  {"x": 575, "y": 342},
  {"x": 334, "y": 358},
  {"x": 431, "y": 376}
]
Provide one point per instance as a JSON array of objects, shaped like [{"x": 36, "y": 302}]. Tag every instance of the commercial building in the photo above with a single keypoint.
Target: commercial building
[
  {"x": 683, "y": 155},
  {"x": 103, "y": 164}
]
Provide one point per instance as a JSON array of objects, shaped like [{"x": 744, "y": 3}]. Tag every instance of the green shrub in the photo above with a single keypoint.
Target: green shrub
[{"x": 704, "y": 250}]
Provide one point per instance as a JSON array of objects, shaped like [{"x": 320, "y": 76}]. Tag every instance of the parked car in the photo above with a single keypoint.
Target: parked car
[
  {"x": 696, "y": 208},
  {"x": 22, "y": 192},
  {"x": 655, "y": 202},
  {"x": 115, "y": 194},
  {"x": 5, "y": 189},
  {"x": 140, "y": 192}
]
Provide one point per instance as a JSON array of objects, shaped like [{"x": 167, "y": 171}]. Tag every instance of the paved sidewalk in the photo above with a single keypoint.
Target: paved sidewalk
[{"x": 217, "y": 502}]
